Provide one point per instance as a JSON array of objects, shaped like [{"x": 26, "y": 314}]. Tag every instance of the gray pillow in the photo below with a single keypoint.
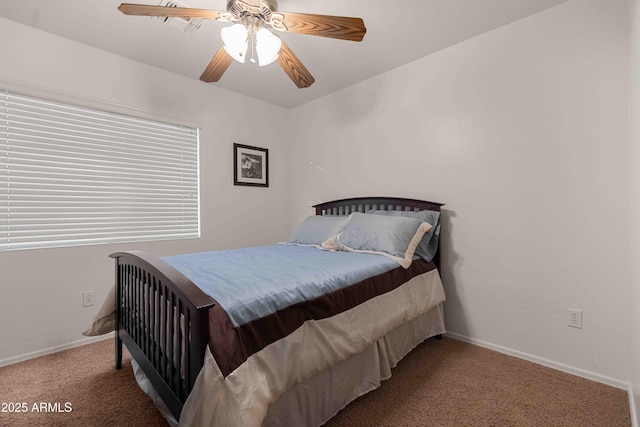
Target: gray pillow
[
  {"x": 393, "y": 236},
  {"x": 429, "y": 244},
  {"x": 316, "y": 229}
]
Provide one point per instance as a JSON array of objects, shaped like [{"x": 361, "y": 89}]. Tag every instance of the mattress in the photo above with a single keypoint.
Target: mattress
[{"x": 263, "y": 294}]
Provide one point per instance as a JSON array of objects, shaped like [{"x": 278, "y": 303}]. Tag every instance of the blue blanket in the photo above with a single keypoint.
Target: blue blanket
[{"x": 255, "y": 282}]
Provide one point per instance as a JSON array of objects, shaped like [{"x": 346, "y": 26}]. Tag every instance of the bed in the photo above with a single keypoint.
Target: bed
[{"x": 299, "y": 362}]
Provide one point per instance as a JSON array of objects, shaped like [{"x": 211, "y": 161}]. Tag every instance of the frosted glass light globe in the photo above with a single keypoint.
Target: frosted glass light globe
[
  {"x": 235, "y": 41},
  {"x": 267, "y": 46}
]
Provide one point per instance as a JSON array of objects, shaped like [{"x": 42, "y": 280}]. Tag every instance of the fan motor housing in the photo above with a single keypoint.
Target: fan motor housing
[{"x": 260, "y": 9}]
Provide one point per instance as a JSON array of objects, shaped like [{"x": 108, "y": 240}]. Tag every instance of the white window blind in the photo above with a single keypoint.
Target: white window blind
[{"x": 76, "y": 176}]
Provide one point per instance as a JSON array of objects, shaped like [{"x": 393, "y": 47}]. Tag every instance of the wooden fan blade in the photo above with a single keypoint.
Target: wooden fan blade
[
  {"x": 172, "y": 12},
  {"x": 336, "y": 27},
  {"x": 216, "y": 67},
  {"x": 291, "y": 65}
]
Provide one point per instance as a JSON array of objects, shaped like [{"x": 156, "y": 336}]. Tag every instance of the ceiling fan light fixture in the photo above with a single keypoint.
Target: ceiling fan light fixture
[
  {"x": 254, "y": 21},
  {"x": 235, "y": 41},
  {"x": 267, "y": 46}
]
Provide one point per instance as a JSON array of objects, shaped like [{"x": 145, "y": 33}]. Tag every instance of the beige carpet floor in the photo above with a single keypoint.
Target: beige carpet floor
[{"x": 441, "y": 383}]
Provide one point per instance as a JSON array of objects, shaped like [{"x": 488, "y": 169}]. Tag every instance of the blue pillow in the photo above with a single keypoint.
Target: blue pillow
[
  {"x": 316, "y": 229},
  {"x": 429, "y": 244},
  {"x": 393, "y": 236}
]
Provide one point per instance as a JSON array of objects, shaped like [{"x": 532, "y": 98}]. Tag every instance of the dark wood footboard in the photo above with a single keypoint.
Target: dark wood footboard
[{"x": 162, "y": 318}]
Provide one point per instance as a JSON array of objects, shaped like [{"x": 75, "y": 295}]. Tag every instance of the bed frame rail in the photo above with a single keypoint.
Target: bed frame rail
[{"x": 163, "y": 320}]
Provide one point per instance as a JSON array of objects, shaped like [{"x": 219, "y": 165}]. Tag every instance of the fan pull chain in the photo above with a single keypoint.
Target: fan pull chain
[{"x": 253, "y": 46}]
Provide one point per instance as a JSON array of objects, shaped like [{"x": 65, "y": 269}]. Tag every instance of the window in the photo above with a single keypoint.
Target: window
[{"x": 76, "y": 176}]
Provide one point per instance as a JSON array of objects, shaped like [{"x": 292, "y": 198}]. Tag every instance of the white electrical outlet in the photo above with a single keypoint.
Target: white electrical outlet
[
  {"x": 87, "y": 299},
  {"x": 575, "y": 318}
]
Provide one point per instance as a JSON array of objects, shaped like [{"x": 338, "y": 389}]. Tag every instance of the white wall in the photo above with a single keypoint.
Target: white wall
[
  {"x": 634, "y": 194},
  {"x": 522, "y": 132},
  {"x": 41, "y": 302}
]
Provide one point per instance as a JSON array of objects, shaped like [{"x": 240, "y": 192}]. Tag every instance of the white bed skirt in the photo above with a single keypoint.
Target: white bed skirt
[{"x": 314, "y": 401}]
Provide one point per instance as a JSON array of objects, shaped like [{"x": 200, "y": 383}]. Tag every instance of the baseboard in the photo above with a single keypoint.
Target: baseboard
[
  {"x": 632, "y": 407},
  {"x": 544, "y": 362},
  {"x": 27, "y": 356}
]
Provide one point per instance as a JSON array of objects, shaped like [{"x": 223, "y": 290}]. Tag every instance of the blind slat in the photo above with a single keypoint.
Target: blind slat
[{"x": 72, "y": 176}]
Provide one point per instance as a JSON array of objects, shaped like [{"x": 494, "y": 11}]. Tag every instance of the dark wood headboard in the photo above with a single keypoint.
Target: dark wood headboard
[{"x": 364, "y": 204}]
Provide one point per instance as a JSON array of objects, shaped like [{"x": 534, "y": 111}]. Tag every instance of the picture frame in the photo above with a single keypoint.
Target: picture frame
[{"x": 250, "y": 165}]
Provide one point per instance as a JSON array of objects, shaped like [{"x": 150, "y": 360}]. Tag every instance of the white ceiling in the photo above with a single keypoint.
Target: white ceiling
[{"x": 398, "y": 32}]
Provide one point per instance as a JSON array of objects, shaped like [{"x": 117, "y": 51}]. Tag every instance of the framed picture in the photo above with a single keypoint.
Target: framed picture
[{"x": 250, "y": 166}]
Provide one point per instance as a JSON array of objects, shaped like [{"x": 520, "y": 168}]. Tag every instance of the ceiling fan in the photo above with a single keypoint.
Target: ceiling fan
[{"x": 255, "y": 19}]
